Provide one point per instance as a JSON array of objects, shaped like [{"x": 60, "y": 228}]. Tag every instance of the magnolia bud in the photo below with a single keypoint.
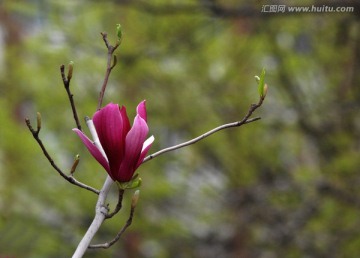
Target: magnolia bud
[
  {"x": 135, "y": 199},
  {"x": 261, "y": 83},
  {"x": 76, "y": 162},
  {"x": 70, "y": 71},
  {"x": 118, "y": 32},
  {"x": 265, "y": 90},
  {"x": 38, "y": 120}
]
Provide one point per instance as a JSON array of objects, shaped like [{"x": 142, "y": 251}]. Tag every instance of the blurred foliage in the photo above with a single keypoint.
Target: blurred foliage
[{"x": 285, "y": 186}]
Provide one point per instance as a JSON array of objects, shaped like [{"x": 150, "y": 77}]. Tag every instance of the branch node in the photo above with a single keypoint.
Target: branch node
[
  {"x": 117, "y": 237},
  {"x": 104, "y": 210}
]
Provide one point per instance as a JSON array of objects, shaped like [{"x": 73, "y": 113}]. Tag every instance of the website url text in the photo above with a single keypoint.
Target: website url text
[{"x": 306, "y": 9}]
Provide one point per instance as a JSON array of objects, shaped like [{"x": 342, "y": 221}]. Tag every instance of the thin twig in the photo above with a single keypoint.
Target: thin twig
[
  {"x": 70, "y": 178},
  {"x": 109, "y": 66},
  {"x": 66, "y": 82},
  {"x": 245, "y": 120},
  {"x": 127, "y": 224},
  {"x": 118, "y": 205}
]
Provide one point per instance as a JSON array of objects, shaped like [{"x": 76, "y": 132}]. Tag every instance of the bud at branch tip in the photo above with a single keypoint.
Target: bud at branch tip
[
  {"x": 135, "y": 199},
  {"x": 38, "y": 120},
  {"x": 118, "y": 32},
  {"x": 76, "y": 162},
  {"x": 265, "y": 90},
  {"x": 261, "y": 83},
  {"x": 70, "y": 70}
]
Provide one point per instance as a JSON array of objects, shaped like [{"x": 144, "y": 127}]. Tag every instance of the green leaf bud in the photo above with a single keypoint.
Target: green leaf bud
[
  {"x": 118, "y": 32},
  {"x": 261, "y": 83}
]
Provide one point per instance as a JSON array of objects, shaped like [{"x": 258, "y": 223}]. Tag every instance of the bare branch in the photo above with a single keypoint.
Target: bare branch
[
  {"x": 109, "y": 66},
  {"x": 118, "y": 205},
  {"x": 66, "y": 81},
  {"x": 127, "y": 224},
  {"x": 245, "y": 120},
  {"x": 70, "y": 178}
]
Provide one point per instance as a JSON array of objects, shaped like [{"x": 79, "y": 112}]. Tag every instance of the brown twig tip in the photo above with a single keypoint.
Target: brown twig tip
[
  {"x": 62, "y": 72},
  {"x": 28, "y": 124},
  {"x": 35, "y": 133},
  {"x": 104, "y": 36}
]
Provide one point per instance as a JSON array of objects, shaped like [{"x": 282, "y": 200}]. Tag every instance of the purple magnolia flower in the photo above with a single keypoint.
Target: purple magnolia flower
[{"x": 125, "y": 147}]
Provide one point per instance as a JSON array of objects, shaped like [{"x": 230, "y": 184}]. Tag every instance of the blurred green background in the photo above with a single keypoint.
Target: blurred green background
[{"x": 284, "y": 186}]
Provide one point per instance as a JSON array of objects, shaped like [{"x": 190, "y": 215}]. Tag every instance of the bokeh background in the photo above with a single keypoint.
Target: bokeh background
[{"x": 284, "y": 186}]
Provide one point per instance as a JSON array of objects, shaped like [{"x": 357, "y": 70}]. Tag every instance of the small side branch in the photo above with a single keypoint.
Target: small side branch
[
  {"x": 127, "y": 224},
  {"x": 245, "y": 120},
  {"x": 66, "y": 81},
  {"x": 70, "y": 178},
  {"x": 109, "y": 66},
  {"x": 118, "y": 205}
]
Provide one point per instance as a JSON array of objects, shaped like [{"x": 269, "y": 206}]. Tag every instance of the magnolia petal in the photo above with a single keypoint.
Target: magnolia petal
[
  {"x": 148, "y": 142},
  {"x": 133, "y": 146},
  {"x": 126, "y": 122},
  {"x": 93, "y": 149},
  {"x": 146, "y": 146},
  {"x": 109, "y": 126},
  {"x": 141, "y": 110}
]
